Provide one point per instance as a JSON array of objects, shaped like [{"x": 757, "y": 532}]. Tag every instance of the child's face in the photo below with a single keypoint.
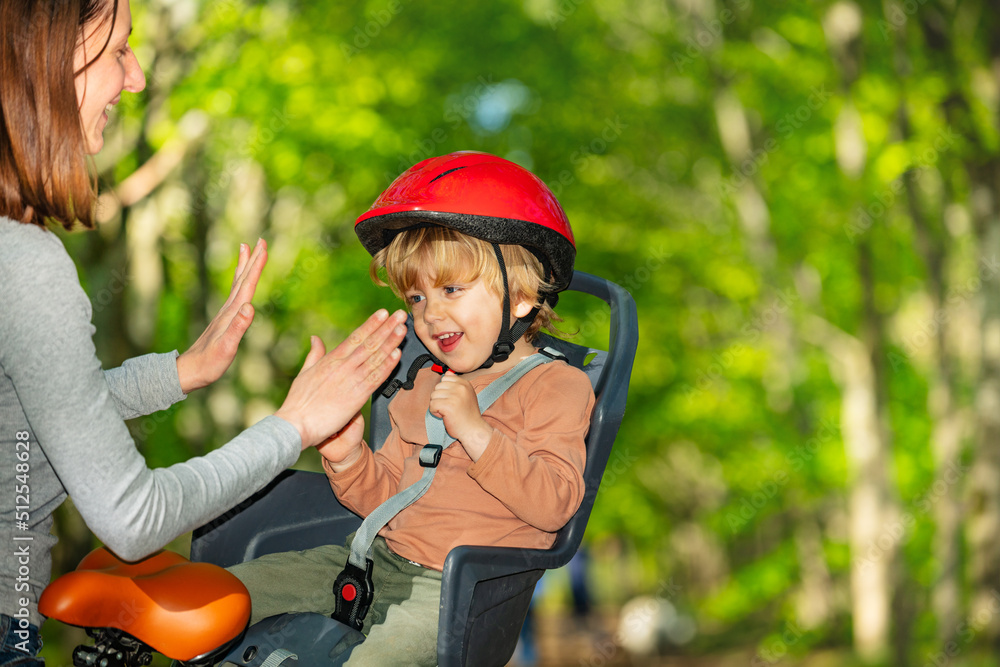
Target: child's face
[{"x": 459, "y": 323}]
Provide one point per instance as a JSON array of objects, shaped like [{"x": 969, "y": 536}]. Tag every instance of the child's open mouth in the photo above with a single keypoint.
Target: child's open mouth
[{"x": 449, "y": 341}]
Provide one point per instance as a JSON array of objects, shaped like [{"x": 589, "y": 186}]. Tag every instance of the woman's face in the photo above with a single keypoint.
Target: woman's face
[{"x": 100, "y": 86}]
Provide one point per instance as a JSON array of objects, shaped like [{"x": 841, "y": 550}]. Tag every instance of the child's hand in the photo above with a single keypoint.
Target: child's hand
[
  {"x": 454, "y": 401},
  {"x": 343, "y": 448}
]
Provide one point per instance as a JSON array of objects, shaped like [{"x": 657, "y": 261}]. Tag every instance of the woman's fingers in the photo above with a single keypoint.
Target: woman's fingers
[
  {"x": 249, "y": 267},
  {"x": 241, "y": 263},
  {"x": 227, "y": 343},
  {"x": 370, "y": 358},
  {"x": 379, "y": 353},
  {"x": 317, "y": 350},
  {"x": 214, "y": 350},
  {"x": 246, "y": 282},
  {"x": 380, "y": 366},
  {"x": 373, "y": 347},
  {"x": 375, "y": 323},
  {"x": 332, "y": 387}
]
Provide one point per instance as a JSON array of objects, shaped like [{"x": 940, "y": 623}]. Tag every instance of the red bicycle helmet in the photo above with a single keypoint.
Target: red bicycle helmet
[
  {"x": 480, "y": 195},
  {"x": 486, "y": 197}
]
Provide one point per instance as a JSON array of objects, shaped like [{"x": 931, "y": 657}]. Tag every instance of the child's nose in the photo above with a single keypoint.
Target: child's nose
[{"x": 433, "y": 310}]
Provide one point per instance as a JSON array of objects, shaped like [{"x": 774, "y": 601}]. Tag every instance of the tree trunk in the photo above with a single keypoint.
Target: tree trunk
[
  {"x": 983, "y": 523},
  {"x": 947, "y": 431},
  {"x": 873, "y": 513},
  {"x": 858, "y": 366}
]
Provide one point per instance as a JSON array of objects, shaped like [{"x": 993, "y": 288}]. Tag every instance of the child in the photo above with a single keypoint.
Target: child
[{"x": 477, "y": 247}]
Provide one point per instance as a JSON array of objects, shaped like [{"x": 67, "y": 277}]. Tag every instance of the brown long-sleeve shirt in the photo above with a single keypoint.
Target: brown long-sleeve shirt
[{"x": 525, "y": 486}]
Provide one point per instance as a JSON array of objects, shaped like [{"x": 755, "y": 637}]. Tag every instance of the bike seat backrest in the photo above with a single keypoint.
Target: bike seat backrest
[{"x": 181, "y": 609}]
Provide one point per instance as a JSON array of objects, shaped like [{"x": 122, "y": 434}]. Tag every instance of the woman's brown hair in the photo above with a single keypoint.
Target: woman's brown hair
[{"x": 44, "y": 170}]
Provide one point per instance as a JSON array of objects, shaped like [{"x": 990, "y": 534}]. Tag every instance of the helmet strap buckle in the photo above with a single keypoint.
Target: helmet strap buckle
[{"x": 501, "y": 351}]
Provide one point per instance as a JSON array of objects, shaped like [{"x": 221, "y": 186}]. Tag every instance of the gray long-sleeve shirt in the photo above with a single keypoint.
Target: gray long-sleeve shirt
[{"x": 59, "y": 406}]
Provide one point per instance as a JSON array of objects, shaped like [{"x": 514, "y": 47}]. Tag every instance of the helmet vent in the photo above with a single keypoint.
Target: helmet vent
[{"x": 444, "y": 173}]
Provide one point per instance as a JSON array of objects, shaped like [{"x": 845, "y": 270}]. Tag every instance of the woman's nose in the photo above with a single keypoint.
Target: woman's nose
[{"x": 135, "y": 78}]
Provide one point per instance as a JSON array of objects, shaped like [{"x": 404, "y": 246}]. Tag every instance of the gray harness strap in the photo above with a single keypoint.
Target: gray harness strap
[{"x": 438, "y": 440}]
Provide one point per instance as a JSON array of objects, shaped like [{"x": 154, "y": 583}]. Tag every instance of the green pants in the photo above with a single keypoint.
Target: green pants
[{"x": 402, "y": 622}]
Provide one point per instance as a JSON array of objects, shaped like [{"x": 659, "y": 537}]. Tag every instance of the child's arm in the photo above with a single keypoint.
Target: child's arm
[
  {"x": 362, "y": 480},
  {"x": 536, "y": 470}
]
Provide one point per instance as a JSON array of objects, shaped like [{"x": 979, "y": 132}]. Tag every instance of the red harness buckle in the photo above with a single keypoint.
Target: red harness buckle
[{"x": 354, "y": 591}]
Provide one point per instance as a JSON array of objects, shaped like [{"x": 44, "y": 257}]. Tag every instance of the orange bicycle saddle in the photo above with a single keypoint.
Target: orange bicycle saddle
[{"x": 181, "y": 609}]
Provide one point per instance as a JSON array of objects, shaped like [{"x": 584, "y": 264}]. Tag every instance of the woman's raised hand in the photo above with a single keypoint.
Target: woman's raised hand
[
  {"x": 214, "y": 351},
  {"x": 332, "y": 387}
]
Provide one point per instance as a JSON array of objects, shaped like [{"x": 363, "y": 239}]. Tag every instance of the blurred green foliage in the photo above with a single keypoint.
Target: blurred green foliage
[{"x": 290, "y": 117}]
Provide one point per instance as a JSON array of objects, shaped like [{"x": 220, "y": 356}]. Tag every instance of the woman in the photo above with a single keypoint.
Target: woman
[{"x": 63, "y": 63}]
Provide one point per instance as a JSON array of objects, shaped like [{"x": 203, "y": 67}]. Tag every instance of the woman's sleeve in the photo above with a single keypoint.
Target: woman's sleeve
[
  {"x": 537, "y": 472},
  {"x": 48, "y": 351},
  {"x": 146, "y": 384}
]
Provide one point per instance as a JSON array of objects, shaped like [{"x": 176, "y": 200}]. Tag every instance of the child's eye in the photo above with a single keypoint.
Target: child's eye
[
  {"x": 452, "y": 289},
  {"x": 414, "y": 299}
]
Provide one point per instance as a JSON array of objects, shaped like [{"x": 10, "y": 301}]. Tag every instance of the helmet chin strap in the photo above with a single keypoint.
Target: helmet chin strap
[{"x": 509, "y": 335}]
